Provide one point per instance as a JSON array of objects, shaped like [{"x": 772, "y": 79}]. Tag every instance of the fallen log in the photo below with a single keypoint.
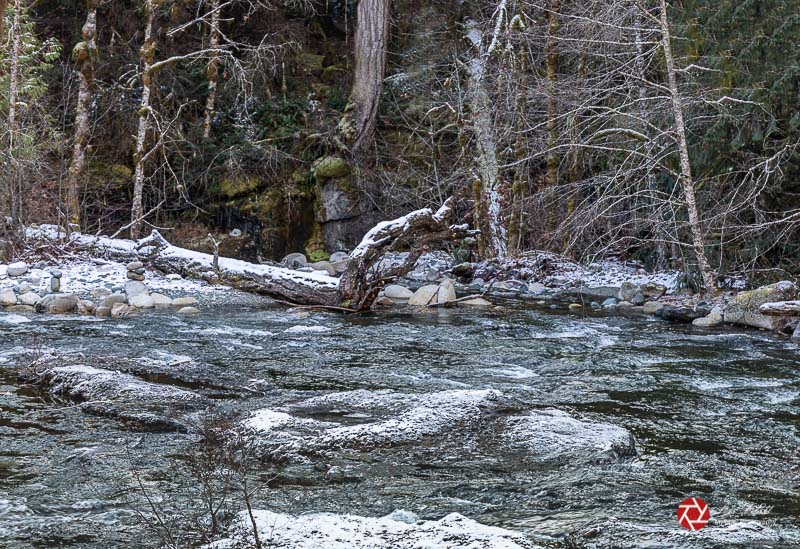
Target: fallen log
[
  {"x": 419, "y": 231},
  {"x": 780, "y": 308}
]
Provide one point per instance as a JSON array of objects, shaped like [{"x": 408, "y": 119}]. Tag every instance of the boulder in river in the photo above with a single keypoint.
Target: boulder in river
[
  {"x": 554, "y": 433},
  {"x": 447, "y": 291},
  {"x": 396, "y": 292},
  {"x": 682, "y": 314},
  {"x": 58, "y": 304},
  {"x": 142, "y": 301},
  {"x": 475, "y": 302},
  {"x": 188, "y": 311},
  {"x": 118, "y": 310},
  {"x": 707, "y": 321},
  {"x": 113, "y": 299},
  {"x": 184, "y": 302},
  {"x": 161, "y": 301},
  {"x": 120, "y": 395},
  {"x": 29, "y": 298},
  {"x": 744, "y": 309},
  {"x": 424, "y": 296},
  {"x": 86, "y": 307},
  {"x": 652, "y": 307}
]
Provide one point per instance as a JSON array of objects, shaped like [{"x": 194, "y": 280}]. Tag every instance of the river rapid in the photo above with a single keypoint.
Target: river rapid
[{"x": 574, "y": 430}]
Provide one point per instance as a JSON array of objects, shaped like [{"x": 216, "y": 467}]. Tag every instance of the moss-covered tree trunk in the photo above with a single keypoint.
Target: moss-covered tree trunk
[
  {"x": 552, "y": 61},
  {"x": 212, "y": 72},
  {"x": 146, "y": 56},
  {"x": 83, "y": 54},
  {"x": 372, "y": 36}
]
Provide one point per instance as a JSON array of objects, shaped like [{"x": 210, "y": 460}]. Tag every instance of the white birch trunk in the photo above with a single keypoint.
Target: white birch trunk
[{"x": 686, "y": 180}]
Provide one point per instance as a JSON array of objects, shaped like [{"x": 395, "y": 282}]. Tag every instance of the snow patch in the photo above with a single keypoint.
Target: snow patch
[
  {"x": 556, "y": 432},
  {"x": 333, "y": 531}
]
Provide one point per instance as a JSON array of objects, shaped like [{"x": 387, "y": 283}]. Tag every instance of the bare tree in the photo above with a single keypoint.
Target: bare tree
[
  {"x": 83, "y": 54},
  {"x": 686, "y": 179}
]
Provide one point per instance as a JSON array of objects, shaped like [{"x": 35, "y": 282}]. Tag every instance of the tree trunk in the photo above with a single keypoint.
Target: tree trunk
[
  {"x": 83, "y": 55},
  {"x": 212, "y": 73},
  {"x": 372, "y": 36},
  {"x": 357, "y": 289},
  {"x": 146, "y": 56},
  {"x": 686, "y": 179},
  {"x": 488, "y": 199},
  {"x": 12, "y": 194},
  {"x": 552, "y": 61}
]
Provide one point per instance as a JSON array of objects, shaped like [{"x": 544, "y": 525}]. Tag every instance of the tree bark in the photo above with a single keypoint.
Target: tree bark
[
  {"x": 146, "y": 56},
  {"x": 83, "y": 55},
  {"x": 212, "y": 72},
  {"x": 552, "y": 61},
  {"x": 488, "y": 199},
  {"x": 686, "y": 179},
  {"x": 372, "y": 37}
]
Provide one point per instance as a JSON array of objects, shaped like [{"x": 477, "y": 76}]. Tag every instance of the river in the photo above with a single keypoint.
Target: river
[{"x": 713, "y": 414}]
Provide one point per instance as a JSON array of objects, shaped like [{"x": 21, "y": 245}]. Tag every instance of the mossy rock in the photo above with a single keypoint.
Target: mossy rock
[
  {"x": 318, "y": 255},
  {"x": 330, "y": 167},
  {"x": 310, "y": 63},
  {"x": 230, "y": 187},
  {"x": 118, "y": 174},
  {"x": 334, "y": 75}
]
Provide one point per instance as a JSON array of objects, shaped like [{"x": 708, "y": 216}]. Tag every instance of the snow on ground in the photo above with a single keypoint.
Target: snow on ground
[
  {"x": 556, "y": 271},
  {"x": 400, "y": 530}
]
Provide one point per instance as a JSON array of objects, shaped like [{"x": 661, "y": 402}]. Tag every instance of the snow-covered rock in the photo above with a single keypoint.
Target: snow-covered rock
[
  {"x": 120, "y": 395},
  {"x": 7, "y": 298},
  {"x": 389, "y": 419},
  {"x": 399, "y": 530},
  {"x": 553, "y": 433}
]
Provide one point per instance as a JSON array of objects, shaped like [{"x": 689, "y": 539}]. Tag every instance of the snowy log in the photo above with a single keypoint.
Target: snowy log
[
  {"x": 419, "y": 231},
  {"x": 781, "y": 308}
]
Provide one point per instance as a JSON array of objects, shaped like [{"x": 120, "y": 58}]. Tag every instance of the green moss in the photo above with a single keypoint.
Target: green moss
[
  {"x": 318, "y": 255},
  {"x": 310, "y": 63},
  {"x": 330, "y": 167},
  {"x": 238, "y": 186}
]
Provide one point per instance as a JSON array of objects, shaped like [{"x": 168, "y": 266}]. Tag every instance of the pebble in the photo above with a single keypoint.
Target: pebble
[{"x": 134, "y": 265}]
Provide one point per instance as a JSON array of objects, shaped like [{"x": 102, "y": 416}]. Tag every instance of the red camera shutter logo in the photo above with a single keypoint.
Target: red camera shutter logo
[{"x": 693, "y": 513}]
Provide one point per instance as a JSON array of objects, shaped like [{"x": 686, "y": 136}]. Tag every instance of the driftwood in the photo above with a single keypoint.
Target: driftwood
[
  {"x": 780, "y": 308},
  {"x": 418, "y": 232}
]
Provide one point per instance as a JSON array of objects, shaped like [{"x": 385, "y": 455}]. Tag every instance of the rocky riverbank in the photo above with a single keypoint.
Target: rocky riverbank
[{"x": 107, "y": 288}]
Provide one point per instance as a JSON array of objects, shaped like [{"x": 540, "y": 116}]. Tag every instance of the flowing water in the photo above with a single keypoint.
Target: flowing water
[{"x": 714, "y": 414}]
